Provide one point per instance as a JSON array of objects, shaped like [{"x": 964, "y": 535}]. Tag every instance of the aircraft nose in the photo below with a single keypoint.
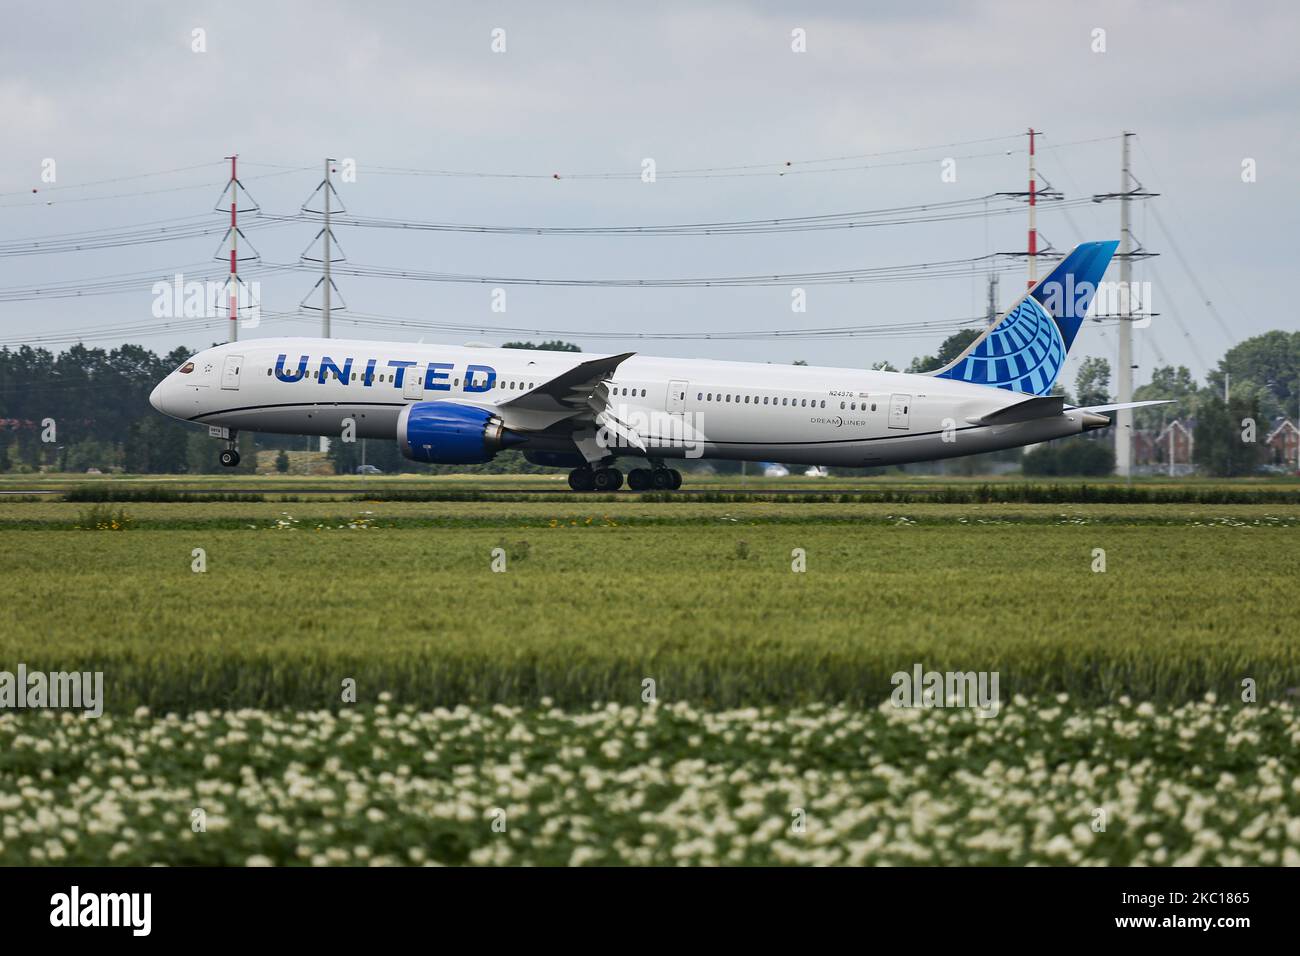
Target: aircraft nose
[{"x": 155, "y": 397}]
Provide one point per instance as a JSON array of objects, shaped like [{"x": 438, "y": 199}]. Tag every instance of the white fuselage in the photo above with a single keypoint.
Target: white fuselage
[{"x": 696, "y": 407}]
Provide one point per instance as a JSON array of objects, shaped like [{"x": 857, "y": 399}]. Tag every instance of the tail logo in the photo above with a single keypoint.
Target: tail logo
[{"x": 1024, "y": 353}]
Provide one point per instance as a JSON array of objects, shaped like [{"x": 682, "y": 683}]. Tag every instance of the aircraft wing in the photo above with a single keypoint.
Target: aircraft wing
[
  {"x": 571, "y": 390},
  {"x": 580, "y": 399}
]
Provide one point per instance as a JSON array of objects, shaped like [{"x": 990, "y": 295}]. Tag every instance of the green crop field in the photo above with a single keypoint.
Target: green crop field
[
  {"x": 700, "y": 598},
  {"x": 803, "y": 609}
]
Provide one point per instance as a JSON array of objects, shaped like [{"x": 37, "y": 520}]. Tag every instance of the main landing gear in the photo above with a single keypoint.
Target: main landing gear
[
  {"x": 638, "y": 479},
  {"x": 658, "y": 478},
  {"x": 595, "y": 479}
]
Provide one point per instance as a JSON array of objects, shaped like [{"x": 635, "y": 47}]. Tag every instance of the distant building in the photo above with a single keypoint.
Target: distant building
[
  {"x": 1144, "y": 448},
  {"x": 1283, "y": 443},
  {"x": 1171, "y": 449}
]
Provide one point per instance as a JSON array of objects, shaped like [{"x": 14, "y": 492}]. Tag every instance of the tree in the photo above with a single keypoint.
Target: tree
[
  {"x": 201, "y": 454},
  {"x": 1166, "y": 382},
  {"x": 1221, "y": 448},
  {"x": 282, "y": 462},
  {"x": 882, "y": 366},
  {"x": 1267, "y": 366},
  {"x": 1072, "y": 456},
  {"x": 1093, "y": 382},
  {"x": 1059, "y": 389},
  {"x": 951, "y": 348},
  {"x": 155, "y": 445}
]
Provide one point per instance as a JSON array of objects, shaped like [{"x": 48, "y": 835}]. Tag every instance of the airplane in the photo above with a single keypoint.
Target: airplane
[{"x": 463, "y": 405}]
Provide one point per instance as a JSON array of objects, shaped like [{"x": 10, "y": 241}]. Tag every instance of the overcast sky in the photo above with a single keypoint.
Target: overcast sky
[{"x": 117, "y": 90}]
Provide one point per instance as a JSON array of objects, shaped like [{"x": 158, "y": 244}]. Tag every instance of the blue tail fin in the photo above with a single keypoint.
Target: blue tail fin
[{"x": 1025, "y": 350}]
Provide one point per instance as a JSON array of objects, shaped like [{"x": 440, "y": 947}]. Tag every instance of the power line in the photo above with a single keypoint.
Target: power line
[
  {"x": 951, "y": 268},
  {"x": 121, "y": 282},
  {"x": 130, "y": 195},
  {"x": 185, "y": 227},
  {"x": 892, "y": 330},
  {"x": 115, "y": 179},
  {"x": 956, "y": 210}
]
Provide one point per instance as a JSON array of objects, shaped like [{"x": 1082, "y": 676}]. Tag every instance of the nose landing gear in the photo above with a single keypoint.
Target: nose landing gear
[{"x": 230, "y": 454}]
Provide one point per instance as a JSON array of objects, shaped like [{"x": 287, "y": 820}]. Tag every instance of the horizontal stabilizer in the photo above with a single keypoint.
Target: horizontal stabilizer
[
  {"x": 1098, "y": 409},
  {"x": 1041, "y": 406}
]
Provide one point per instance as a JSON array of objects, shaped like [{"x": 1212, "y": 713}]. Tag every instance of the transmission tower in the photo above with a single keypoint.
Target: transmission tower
[
  {"x": 330, "y": 253},
  {"x": 1031, "y": 196},
  {"x": 230, "y": 242},
  {"x": 1129, "y": 251}
]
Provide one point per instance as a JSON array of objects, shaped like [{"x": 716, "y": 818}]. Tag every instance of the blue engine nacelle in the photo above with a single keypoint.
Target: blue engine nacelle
[{"x": 445, "y": 433}]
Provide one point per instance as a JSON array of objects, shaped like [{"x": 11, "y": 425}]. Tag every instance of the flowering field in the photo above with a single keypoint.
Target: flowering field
[{"x": 1047, "y": 781}]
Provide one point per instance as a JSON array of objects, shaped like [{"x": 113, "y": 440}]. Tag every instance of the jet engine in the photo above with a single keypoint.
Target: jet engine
[{"x": 446, "y": 433}]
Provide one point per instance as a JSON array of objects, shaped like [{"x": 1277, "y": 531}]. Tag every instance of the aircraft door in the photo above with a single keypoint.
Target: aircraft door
[
  {"x": 899, "y": 409},
  {"x": 413, "y": 384},
  {"x": 230, "y": 371},
  {"x": 677, "y": 397}
]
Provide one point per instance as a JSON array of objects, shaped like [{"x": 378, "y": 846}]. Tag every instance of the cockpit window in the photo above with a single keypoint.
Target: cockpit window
[{"x": 186, "y": 368}]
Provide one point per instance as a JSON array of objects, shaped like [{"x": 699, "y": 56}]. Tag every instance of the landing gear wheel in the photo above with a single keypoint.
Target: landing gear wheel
[
  {"x": 638, "y": 479},
  {"x": 582, "y": 479},
  {"x": 229, "y": 458},
  {"x": 607, "y": 479},
  {"x": 677, "y": 478},
  {"x": 661, "y": 479}
]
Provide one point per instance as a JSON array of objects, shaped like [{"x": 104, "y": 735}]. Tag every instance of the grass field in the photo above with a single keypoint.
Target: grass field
[
  {"x": 699, "y": 597},
  {"x": 596, "y": 599}
]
